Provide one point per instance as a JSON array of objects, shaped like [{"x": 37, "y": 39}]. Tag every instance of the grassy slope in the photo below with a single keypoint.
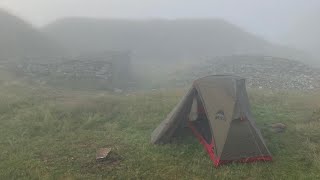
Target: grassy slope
[{"x": 50, "y": 134}]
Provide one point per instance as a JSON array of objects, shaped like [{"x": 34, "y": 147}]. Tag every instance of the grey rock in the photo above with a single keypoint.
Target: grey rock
[{"x": 260, "y": 72}]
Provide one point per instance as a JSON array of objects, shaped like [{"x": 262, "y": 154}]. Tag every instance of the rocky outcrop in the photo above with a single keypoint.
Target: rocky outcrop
[
  {"x": 110, "y": 69},
  {"x": 75, "y": 69},
  {"x": 260, "y": 72},
  {"x": 278, "y": 127}
]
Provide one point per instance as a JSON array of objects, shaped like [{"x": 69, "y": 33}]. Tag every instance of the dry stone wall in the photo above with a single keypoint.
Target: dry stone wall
[
  {"x": 110, "y": 70},
  {"x": 260, "y": 72}
]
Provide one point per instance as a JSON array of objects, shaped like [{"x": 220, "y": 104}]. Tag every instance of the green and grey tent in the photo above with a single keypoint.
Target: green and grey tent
[{"x": 216, "y": 109}]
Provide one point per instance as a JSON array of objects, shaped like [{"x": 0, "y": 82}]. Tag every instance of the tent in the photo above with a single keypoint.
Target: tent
[{"x": 216, "y": 109}]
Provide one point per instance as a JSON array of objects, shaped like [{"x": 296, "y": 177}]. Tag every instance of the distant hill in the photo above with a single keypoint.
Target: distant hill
[
  {"x": 162, "y": 40},
  {"x": 19, "y": 39}
]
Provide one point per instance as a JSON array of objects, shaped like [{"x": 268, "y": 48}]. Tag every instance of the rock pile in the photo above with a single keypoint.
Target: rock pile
[
  {"x": 107, "y": 70},
  {"x": 278, "y": 127},
  {"x": 69, "y": 70},
  {"x": 259, "y": 71}
]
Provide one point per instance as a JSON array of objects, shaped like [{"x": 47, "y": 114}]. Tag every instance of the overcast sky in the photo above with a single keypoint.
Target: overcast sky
[{"x": 269, "y": 18}]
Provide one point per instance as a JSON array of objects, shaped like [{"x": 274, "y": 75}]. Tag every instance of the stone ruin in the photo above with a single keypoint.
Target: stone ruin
[
  {"x": 260, "y": 72},
  {"x": 108, "y": 70},
  {"x": 73, "y": 69}
]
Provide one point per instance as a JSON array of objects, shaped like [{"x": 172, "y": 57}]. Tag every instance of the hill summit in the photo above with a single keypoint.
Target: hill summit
[
  {"x": 21, "y": 40},
  {"x": 162, "y": 40}
]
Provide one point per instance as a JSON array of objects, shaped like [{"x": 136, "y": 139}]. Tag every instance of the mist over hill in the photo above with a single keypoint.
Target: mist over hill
[
  {"x": 304, "y": 33},
  {"x": 19, "y": 39},
  {"x": 162, "y": 40}
]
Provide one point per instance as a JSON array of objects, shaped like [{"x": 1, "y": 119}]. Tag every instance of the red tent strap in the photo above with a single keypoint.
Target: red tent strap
[
  {"x": 216, "y": 160},
  {"x": 208, "y": 147},
  {"x": 247, "y": 160}
]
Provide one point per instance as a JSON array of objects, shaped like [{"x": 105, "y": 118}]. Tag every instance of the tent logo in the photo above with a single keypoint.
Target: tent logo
[{"x": 220, "y": 115}]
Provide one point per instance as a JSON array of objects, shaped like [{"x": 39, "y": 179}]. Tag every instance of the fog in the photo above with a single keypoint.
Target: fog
[
  {"x": 172, "y": 34},
  {"x": 271, "y": 19}
]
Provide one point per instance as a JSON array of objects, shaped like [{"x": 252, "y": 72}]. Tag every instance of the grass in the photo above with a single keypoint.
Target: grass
[{"x": 47, "y": 133}]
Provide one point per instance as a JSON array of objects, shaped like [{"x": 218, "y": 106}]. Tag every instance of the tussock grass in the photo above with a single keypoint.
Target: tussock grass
[{"x": 47, "y": 133}]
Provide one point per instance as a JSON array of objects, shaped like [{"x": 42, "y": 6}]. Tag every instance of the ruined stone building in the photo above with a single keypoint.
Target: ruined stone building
[{"x": 110, "y": 69}]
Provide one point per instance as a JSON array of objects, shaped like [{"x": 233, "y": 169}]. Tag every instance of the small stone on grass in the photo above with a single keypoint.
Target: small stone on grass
[{"x": 102, "y": 153}]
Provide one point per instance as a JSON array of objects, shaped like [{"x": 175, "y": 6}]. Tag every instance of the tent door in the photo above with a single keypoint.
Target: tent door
[{"x": 199, "y": 121}]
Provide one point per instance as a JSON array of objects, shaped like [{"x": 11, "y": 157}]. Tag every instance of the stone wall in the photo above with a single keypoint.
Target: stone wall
[
  {"x": 260, "y": 72},
  {"x": 111, "y": 70}
]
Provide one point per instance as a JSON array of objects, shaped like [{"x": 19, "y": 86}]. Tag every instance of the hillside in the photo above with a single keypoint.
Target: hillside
[
  {"x": 20, "y": 40},
  {"x": 162, "y": 40}
]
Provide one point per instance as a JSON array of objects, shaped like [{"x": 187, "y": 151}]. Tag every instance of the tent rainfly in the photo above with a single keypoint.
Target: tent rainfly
[{"x": 216, "y": 109}]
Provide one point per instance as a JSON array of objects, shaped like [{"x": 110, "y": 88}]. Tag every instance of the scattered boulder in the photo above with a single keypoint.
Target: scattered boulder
[
  {"x": 102, "y": 153},
  {"x": 278, "y": 127}
]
